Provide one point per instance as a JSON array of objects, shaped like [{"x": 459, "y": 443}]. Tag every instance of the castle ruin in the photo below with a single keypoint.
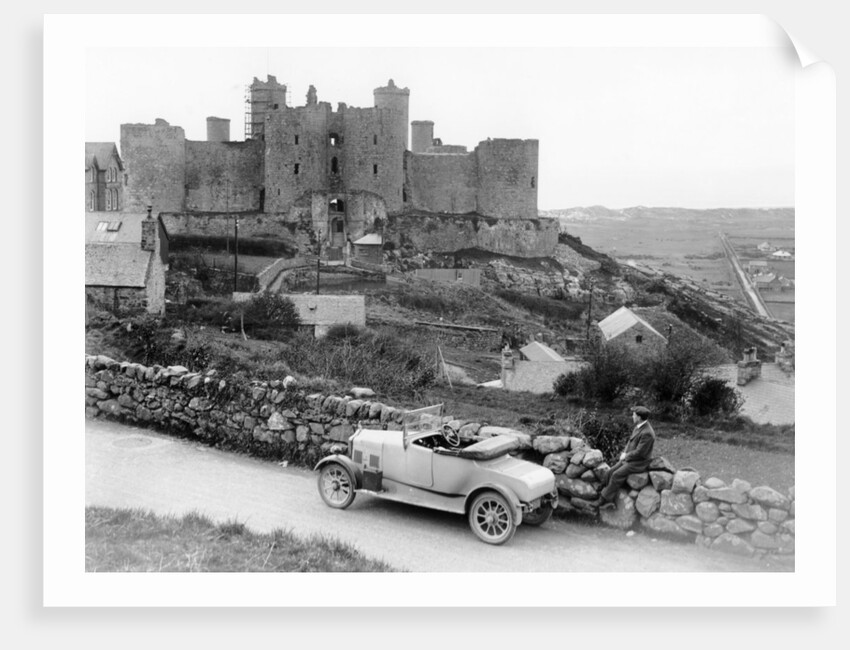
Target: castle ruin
[{"x": 340, "y": 169}]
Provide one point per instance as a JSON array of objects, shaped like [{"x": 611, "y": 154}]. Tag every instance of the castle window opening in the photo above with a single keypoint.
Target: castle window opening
[
  {"x": 337, "y": 205},
  {"x": 335, "y": 140},
  {"x": 296, "y": 139},
  {"x": 532, "y": 181},
  {"x": 404, "y": 196},
  {"x": 338, "y": 225},
  {"x": 296, "y": 168},
  {"x": 374, "y": 139},
  {"x": 374, "y": 169},
  {"x": 334, "y": 165},
  {"x": 275, "y": 106}
]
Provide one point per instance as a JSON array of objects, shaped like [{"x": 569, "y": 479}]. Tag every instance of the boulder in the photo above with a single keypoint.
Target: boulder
[
  {"x": 700, "y": 494},
  {"x": 707, "y": 511},
  {"x": 742, "y": 485},
  {"x": 767, "y": 542},
  {"x": 200, "y": 404},
  {"x": 624, "y": 516},
  {"x": 776, "y": 515},
  {"x": 660, "y": 524},
  {"x": 557, "y": 462},
  {"x": 659, "y": 463},
  {"x": 289, "y": 381},
  {"x": 713, "y": 483},
  {"x": 592, "y": 458},
  {"x": 358, "y": 392},
  {"x": 691, "y": 523},
  {"x": 578, "y": 457},
  {"x": 767, "y": 528},
  {"x": 647, "y": 502},
  {"x": 738, "y": 526},
  {"x": 751, "y": 511},
  {"x": 341, "y": 432},
  {"x": 661, "y": 480},
  {"x": 551, "y": 444},
  {"x": 713, "y": 530},
  {"x": 685, "y": 481},
  {"x": 469, "y": 430},
  {"x": 638, "y": 480},
  {"x": 574, "y": 471},
  {"x": 601, "y": 471},
  {"x": 769, "y": 498},
  {"x": 789, "y": 526},
  {"x": 302, "y": 433},
  {"x": 375, "y": 409},
  {"x": 352, "y": 408},
  {"x": 729, "y": 543},
  {"x": 577, "y": 443},
  {"x": 727, "y": 495},
  {"x": 676, "y": 503},
  {"x": 575, "y": 487},
  {"x": 277, "y": 422}
]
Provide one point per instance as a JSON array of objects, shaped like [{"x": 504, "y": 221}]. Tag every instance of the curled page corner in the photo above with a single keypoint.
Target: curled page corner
[{"x": 804, "y": 55}]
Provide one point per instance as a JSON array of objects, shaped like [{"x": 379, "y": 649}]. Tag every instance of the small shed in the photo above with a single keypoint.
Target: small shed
[
  {"x": 624, "y": 327},
  {"x": 369, "y": 249}
]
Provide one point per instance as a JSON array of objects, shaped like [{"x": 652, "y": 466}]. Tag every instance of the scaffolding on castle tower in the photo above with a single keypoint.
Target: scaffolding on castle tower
[{"x": 266, "y": 104}]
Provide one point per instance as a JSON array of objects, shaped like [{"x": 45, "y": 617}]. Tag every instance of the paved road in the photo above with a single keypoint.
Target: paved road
[
  {"x": 755, "y": 298},
  {"x": 138, "y": 468}
]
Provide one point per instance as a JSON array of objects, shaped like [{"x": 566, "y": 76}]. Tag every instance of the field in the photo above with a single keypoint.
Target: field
[{"x": 686, "y": 243}]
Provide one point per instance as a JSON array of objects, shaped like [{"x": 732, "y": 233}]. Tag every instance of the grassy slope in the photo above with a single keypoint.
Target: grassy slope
[{"x": 136, "y": 541}]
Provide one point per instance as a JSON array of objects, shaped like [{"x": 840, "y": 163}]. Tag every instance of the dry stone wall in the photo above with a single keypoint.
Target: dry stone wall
[{"x": 278, "y": 420}]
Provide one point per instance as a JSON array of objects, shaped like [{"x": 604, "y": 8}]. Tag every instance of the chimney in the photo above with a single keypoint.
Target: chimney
[
  {"x": 149, "y": 232},
  {"x": 749, "y": 367}
]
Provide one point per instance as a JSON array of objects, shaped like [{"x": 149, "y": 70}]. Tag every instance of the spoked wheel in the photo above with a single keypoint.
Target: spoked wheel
[
  {"x": 491, "y": 519},
  {"x": 539, "y": 516},
  {"x": 336, "y": 485}
]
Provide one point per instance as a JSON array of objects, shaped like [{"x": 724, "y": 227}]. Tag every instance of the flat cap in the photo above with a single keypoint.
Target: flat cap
[{"x": 642, "y": 411}]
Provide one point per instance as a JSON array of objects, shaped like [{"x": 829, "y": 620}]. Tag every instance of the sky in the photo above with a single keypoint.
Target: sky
[{"x": 686, "y": 127}]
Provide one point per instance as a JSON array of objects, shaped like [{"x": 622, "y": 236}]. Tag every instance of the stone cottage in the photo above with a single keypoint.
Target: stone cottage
[
  {"x": 126, "y": 261},
  {"x": 626, "y": 328}
]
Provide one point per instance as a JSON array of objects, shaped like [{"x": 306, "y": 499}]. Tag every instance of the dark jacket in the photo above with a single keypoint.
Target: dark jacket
[{"x": 639, "y": 447}]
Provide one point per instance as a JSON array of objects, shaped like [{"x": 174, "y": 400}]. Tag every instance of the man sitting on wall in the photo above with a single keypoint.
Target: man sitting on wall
[{"x": 635, "y": 458}]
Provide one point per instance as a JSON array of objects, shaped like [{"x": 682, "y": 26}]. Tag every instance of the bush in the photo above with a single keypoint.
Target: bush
[
  {"x": 607, "y": 433},
  {"x": 267, "y": 316},
  {"x": 712, "y": 396},
  {"x": 565, "y": 384}
]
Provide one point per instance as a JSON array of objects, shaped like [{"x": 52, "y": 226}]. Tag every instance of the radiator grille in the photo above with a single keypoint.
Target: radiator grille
[
  {"x": 374, "y": 461},
  {"x": 358, "y": 456}
]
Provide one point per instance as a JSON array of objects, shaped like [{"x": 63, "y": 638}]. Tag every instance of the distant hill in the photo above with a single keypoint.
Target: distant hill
[{"x": 714, "y": 217}]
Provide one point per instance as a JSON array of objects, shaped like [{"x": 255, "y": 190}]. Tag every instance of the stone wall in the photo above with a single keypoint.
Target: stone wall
[
  {"x": 223, "y": 176},
  {"x": 277, "y": 420}
]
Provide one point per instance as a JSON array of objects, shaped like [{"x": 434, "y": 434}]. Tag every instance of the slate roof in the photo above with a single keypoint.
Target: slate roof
[
  {"x": 115, "y": 258},
  {"x": 536, "y": 351},
  {"x": 768, "y": 399},
  {"x": 101, "y": 153},
  {"x": 621, "y": 321}
]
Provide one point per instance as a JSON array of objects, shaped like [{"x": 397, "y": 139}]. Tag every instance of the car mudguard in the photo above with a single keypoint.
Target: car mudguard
[
  {"x": 509, "y": 495},
  {"x": 347, "y": 463}
]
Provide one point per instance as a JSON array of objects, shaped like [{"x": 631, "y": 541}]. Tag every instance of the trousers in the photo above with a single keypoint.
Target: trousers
[{"x": 617, "y": 477}]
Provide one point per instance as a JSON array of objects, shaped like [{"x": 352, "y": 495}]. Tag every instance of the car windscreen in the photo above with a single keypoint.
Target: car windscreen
[{"x": 422, "y": 420}]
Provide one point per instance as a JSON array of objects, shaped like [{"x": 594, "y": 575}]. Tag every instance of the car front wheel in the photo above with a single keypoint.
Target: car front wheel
[
  {"x": 491, "y": 518},
  {"x": 538, "y": 516},
  {"x": 336, "y": 485}
]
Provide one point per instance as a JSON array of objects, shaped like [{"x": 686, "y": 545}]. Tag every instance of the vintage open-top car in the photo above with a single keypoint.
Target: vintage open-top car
[{"x": 429, "y": 464}]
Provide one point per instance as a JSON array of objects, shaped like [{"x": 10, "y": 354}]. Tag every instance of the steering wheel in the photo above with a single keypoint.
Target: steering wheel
[{"x": 450, "y": 436}]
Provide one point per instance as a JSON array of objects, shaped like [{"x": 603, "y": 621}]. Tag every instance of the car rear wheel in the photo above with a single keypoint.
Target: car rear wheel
[
  {"x": 491, "y": 518},
  {"x": 538, "y": 516},
  {"x": 336, "y": 485}
]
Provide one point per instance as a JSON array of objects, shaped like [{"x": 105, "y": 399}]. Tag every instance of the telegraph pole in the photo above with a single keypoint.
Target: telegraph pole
[
  {"x": 235, "y": 250},
  {"x": 318, "y": 258},
  {"x": 589, "y": 309}
]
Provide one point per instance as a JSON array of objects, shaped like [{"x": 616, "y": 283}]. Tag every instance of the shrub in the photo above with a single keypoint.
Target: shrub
[
  {"x": 267, "y": 316},
  {"x": 710, "y": 396},
  {"x": 607, "y": 433},
  {"x": 565, "y": 384}
]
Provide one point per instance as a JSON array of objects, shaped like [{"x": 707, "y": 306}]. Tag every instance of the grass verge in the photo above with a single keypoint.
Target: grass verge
[{"x": 126, "y": 540}]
